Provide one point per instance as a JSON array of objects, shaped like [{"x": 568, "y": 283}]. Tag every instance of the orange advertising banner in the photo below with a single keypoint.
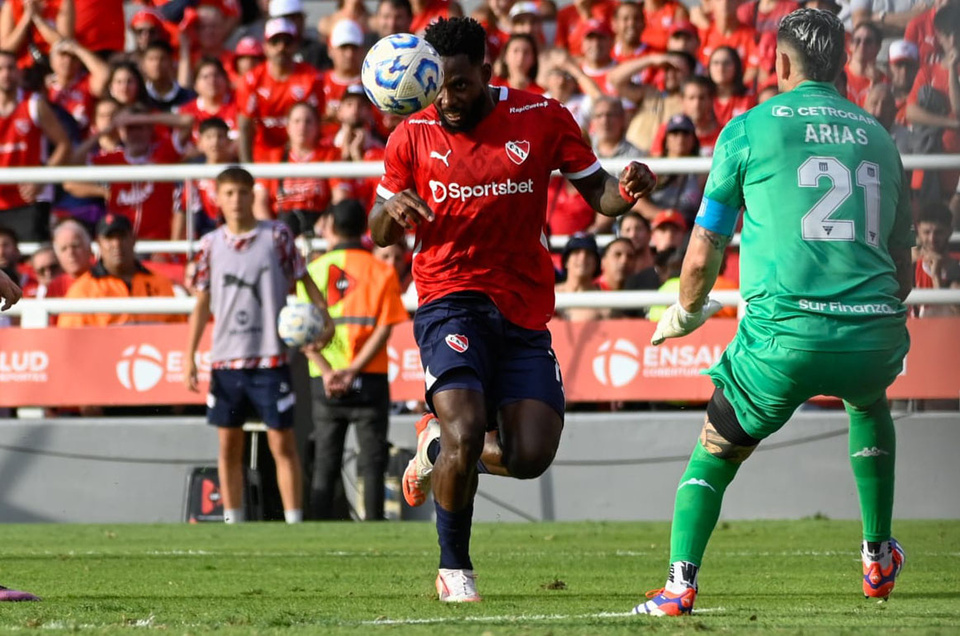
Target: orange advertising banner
[{"x": 608, "y": 360}]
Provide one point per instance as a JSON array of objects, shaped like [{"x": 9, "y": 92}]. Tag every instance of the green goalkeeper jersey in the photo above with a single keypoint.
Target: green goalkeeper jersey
[{"x": 824, "y": 198}]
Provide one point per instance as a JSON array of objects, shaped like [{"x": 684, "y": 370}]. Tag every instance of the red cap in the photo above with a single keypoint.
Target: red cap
[
  {"x": 684, "y": 27},
  {"x": 599, "y": 27},
  {"x": 249, "y": 47},
  {"x": 671, "y": 217},
  {"x": 146, "y": 17}
]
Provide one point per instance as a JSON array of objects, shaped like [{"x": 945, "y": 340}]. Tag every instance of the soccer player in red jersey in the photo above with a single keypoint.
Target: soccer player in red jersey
[{"x": 470, "y": 175}]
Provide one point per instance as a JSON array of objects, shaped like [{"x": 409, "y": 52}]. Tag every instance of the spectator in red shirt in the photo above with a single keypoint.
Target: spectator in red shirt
[
  {"x": 298, "y": 201},
  {"x": 392, "y": 16},
  {"x": 525, "y": 17},
  {"x": 99, "y": 26},
  {"x": 932, "y": 106},
  {"x": 29, "y": 25},
  {"x": 904, "y": 64},
  {"x": 935, "y": 268},
  {"x": 861, "y": 69},
  {"x": 125, "y": 83},
  {"x": 568, "y": 84},
  {"x": 660, "y": 20},
  {"x": 26, "y": 119},
  {"x": 71, "y": 244},
  {"x": 346, "y": 51},
  {"x": 270, "y": 90},
  {"x": 920, "y": 31},
  {"x": 148, "y": 26},
  {"x": 617, "y": 264},
  {"x": 574, "y": 21},
  {"x": 628, "y": 24},
  {"x": 356, "y": 141},
  {"x": 726, "y": 72},
  {"x": 581, "y": 267},
  {"x": 597, "y": 46},
  {"x": 45, "y": 269},
  {"x": 634, "y": 227},
  {"x": 164, "y": 93},
  {"x": 518, "y": 64},
  {"x": 148, "y": 205},
  {"x": 247, "y": 56},
  {"x": 722, "y": 28},
  {"x": 200, "y": 195},
  {"x": 213, "y": 98},
  {"x": 696, "y": 102},
  {"x": 78, "y": 74},
  {"x": 681, "y": 192},
  {"x": 764, "y": 16},
  {"x": 425, "y": 12}
]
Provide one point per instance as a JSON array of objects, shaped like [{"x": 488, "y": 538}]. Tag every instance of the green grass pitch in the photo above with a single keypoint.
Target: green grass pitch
[{"x": 542, "y": 578}]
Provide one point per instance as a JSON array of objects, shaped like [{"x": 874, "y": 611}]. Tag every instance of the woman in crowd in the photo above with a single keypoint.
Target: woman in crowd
[
  {"x": 213, "y": 97},
  {"x": 517, "y": 66},
  {"x": 726, "y": 71},
  {"x": 298, "y": 201},
  {"x": 125, "y": 83}
]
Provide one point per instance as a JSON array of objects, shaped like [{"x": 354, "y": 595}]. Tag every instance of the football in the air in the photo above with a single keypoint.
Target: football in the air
[
  {"x": 299, "y": 324},
  {"x": 402, "y": 74}
]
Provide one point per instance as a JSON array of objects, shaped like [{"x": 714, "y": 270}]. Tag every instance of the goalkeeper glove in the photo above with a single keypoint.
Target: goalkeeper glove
[{"x": 677, "y": 321}]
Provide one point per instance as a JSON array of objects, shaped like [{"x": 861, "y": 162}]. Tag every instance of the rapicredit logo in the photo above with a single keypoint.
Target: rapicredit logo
[{"x": 441, "y": 191}]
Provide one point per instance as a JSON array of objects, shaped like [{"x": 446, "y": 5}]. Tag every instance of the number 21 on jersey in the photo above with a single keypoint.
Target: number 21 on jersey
[{"x": 818, "y": 224}]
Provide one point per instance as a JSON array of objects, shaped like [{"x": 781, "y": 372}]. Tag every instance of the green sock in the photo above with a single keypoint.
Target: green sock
[
  {"x": 697, "y": 505},
  {"x": 873, "y": 454}
]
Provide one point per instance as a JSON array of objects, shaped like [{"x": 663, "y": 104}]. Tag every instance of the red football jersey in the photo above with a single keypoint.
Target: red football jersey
[
  {"x": 659, "y": 23},
  {"x": 732, "y": 107},
  {"x": 148, "y": 205},
  {"x": 434, "y": 10},
  {"x": 571, "y": 24},
  {"x": 488, "y": 189},
  {"x": 76, "y": 99},
  {"x": 227, "y": 112},
  {"x": 743, "y": 40},
  {"x": 268, "y": 100},
  {"x": 200, "y": 196},
  {"x": 21, "y": 143},
  {"x": 303, "y": 193}
]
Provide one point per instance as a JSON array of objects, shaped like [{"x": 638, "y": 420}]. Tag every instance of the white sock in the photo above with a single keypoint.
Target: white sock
[
  {"x": 683, "y": 574},
  {"x": 293, "y": 516},
  {"x": 883, "y": 556},
  {"x": 233, "y": 515}
]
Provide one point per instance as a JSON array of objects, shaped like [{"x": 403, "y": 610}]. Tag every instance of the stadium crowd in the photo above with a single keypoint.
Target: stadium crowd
[{"x": 205, "y": 81}]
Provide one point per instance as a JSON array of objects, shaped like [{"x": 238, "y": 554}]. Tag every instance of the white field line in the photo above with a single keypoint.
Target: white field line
[
  {"x": 405, "y": 554},
  {"x": 520, "y": 618}
]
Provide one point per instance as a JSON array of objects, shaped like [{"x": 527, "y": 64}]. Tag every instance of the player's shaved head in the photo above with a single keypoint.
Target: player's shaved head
[
  {"x": 816, "y": 40},
  {"x": 458, "y": 36}
]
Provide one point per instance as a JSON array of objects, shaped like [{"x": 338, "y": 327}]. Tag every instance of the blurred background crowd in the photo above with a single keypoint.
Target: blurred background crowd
[{"x": 109, "y": 83}]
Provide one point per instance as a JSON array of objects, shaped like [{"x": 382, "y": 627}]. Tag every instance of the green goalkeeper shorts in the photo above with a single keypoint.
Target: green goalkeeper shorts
[{"x": 766, "y": 382}]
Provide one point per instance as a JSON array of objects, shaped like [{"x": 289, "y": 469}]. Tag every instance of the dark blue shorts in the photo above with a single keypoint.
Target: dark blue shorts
[
  {"x": 466, "y": 343},
  {"x": 237, "y": 395}
]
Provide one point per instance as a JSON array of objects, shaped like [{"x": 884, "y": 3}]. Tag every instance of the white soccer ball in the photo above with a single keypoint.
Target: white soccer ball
[
  {"x": 402, "y": 74},
  {"x": 300, "y": 324}
]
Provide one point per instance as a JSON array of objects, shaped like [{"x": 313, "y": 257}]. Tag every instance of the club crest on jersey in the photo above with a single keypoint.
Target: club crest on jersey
[
  {"x": 518, "y": 151},
  {"x": 22, "y": 126},
  {"x": 298, "y": 92},
  {"x": 457, "y": 342}
]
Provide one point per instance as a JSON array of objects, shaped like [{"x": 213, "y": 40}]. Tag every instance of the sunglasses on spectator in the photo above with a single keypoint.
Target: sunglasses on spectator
[
  {"x": 48, "y": 269},
  {"x": 279, "y": 40}
]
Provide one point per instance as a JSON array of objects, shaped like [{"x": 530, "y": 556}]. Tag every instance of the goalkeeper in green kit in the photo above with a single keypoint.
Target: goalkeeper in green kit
[{"x": 825, "y": 268}]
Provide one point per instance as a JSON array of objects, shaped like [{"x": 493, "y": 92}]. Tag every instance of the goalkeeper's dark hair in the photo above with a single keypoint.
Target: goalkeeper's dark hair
[
  {"x": 458, "y": 36},
  {"x": 818, "y": 39}
]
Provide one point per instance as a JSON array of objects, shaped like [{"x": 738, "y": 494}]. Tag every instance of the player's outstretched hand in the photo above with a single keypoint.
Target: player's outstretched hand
[
  {"x": 10, "y": 292},
  {"x": 408, "y": 209},
  {"x": 637, "y": 180},
  {"x": 677, "y": 321}
]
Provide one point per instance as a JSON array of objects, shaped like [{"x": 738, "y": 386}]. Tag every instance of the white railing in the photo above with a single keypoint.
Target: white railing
[
  {"x": 36, "y": 312},
  {"x": 344, "y": 169}
]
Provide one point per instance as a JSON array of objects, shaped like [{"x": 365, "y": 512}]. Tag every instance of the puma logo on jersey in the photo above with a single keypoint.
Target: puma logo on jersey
[
  {"x": 436, "y": 155},
  {"x": 870, "y": 452}
]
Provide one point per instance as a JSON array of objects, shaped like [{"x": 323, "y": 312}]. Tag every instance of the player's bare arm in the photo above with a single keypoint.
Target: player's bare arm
[
  {"x": 10, "y": 292},
  {"x": 613, "y": 197},
  {"x": 390, "y": 218},
  {"x": 199, "y": 318},
  {"x": 701, "y": 266}
]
